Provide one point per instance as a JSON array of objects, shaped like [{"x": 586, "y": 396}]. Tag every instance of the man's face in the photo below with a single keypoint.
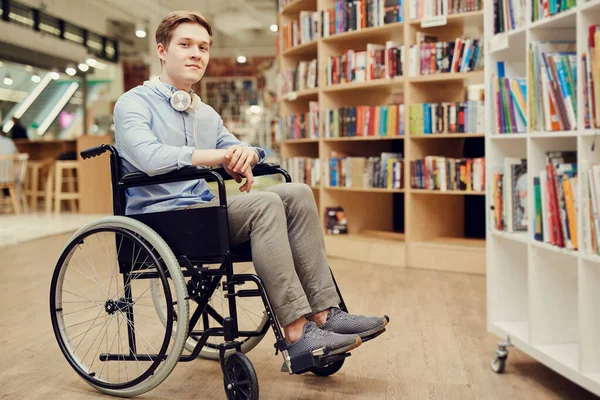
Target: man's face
[{"x": 186, "y": 58}]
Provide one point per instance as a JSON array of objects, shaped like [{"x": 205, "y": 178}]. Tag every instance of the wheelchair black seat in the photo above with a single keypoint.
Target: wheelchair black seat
[{"x": 196, "y": 233}]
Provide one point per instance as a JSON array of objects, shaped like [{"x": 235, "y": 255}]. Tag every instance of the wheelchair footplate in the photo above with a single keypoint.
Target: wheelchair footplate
[{"x": 311, "y": 361}]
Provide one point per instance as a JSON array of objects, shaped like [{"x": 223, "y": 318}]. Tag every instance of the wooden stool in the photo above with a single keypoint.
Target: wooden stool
[
  {"x": 32, "y": 183},
  {"x": 54, "y": 186}
]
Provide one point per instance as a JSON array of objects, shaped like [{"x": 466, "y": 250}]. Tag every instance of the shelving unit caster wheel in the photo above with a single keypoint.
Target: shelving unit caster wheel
[
  {"x": 498, "y": 364},
  {"x": 499, "y": 361},
  {"x": 239, "y": 378}
]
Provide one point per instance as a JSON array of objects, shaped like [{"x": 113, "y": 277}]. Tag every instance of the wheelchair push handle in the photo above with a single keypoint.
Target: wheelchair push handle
[{"x": 95, "y": 151}]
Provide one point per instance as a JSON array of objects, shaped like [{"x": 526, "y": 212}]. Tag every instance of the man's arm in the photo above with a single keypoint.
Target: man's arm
[
  {"x": 139, "y": 145},
  {"x": 226, "y": 139}
]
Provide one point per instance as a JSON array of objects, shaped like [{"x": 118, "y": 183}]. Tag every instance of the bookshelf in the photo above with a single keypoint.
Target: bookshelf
[
  {"x": 399, "y": 227},
  {"x": 542, "y": 296}
]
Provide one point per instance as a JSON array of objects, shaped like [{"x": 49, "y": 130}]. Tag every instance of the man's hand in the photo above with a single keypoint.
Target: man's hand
[
  {"x": 235, "y": 176},
  {"x": 239, "y": 161}
]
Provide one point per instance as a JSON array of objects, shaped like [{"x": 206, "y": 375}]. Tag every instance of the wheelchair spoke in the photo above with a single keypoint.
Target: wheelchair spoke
[
  {"x": 109, "y": 351},
  {"x": 129, "y": 280},
  {"x": 88, "y": 277},
  {"x": 97, "y": 302},
  {"x": 93, "y": 322},
  {"x": 88, "y": 260},
  {"x": 143, "y": 337},
  {"x": 83, "y": 296},
  {"x": 104, "y": 332},
  {"x": 105, "y": 335},
  {"x": 71, "y": 338}
]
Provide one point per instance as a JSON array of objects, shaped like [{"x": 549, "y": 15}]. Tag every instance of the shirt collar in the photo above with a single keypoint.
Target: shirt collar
[{"x": 173, "y": 89}]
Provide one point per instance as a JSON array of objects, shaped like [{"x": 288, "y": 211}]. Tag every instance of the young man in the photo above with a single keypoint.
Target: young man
[{"x": 157, "y": 132}]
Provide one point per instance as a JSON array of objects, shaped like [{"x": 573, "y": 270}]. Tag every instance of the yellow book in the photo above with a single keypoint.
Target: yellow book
[
  {"x": 390, "y": 172},
  {"x": 570, "y": 206},
  {"x": 392, "y": 120}
]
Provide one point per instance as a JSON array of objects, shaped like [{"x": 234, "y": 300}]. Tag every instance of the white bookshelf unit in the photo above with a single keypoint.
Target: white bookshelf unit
[{"x": 541, "y": 297}]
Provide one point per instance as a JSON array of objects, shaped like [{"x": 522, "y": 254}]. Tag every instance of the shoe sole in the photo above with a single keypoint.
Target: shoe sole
[
  {"x": 372, "y": 333},
  {"x": 346, "y": 348}
]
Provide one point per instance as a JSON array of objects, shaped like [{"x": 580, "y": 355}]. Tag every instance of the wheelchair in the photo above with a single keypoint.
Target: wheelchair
[{"x": 133, "y": 295}]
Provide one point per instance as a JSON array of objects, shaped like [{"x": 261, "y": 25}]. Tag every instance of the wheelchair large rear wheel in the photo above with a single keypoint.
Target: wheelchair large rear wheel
[
  {"x": 251, "y": 315},
  {"x": 102, "y": 310}
]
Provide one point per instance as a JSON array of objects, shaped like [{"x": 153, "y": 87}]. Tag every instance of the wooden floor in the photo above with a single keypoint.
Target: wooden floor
[{"x": 436, "y": 346}]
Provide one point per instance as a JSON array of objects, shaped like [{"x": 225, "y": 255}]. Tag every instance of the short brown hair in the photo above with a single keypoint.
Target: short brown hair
[{"x": 165, "y": 29}]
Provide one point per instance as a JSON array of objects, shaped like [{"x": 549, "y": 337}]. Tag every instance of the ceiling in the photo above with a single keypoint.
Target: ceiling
[{"x": 239, "y": 26}]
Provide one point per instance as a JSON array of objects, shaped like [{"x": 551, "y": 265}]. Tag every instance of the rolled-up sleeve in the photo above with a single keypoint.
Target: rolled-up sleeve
[
  {"x": 226, "y": 139},
  {"x": 138, "y": 144}
]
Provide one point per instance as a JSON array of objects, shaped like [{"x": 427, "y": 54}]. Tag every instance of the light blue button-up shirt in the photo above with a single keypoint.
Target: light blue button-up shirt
[{"x": 154, "y": 138}]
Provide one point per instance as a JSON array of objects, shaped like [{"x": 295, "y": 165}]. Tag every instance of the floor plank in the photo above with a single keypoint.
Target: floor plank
[{"x": 436, "y": 347}]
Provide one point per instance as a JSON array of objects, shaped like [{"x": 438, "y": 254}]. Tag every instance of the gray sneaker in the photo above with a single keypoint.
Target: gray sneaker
[
  {"x": 339, "y": 321},
  {"x": 314, "y": 338}
]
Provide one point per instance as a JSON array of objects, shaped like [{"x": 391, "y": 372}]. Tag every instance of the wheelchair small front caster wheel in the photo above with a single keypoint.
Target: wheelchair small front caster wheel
[
  {"x": 239, "y": 378},
  {"x": 329, "y": 369}
]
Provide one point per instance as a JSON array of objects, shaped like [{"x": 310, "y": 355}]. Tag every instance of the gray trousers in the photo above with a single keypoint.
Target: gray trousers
[{"x": 288, "y": 249}]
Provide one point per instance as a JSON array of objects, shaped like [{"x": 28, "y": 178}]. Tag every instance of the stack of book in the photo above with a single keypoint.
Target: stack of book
[
  {"x": 303, "y": 125},
  {"x": 385, "y": 120},
  {"x": 555, "y": 191},
  {"x": 590, "y": 62},
  {"x": 546, "y": 8},
  {"x": 304, "y": 76},
  {"x": 385, "y": 171},
  {"x": 509, "y": 96},
  {"x": 304, "y": 170},
  {"x": 447, "y": 117},
  {"x": 352, "y": 15},
  {"x": 376, "y": 62},
  {"x": 430, "y": 56},
  {"x": 509, "y": 15},
  {"x": 510, "y": 196},
  {"x": 447, "y": 173},
  {"x": 426, "y": 9},
  {"x": 553, "y": 87}
]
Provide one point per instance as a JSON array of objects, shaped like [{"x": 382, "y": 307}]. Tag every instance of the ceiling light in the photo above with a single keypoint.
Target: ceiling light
[
  {"x": 83, "y": 67},
  {"x": 35, "y": 78},
  {"x": 8, "y": 80},
  {"x": 274, "y": 28},
  {"x": 91, "y": 61},
  {"x": 140, "y": 30},
  {"x": 54, "y": 75},
  {"x": 241, "y": 59},
  {"x": 70, "y": 71},
  {"x": 28, "y": 68}
]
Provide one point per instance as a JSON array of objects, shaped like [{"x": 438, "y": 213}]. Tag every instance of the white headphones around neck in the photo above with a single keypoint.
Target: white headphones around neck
[{"x": 180, "y": 100}]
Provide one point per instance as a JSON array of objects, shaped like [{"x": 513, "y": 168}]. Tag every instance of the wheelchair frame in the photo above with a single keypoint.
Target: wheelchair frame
[{"x": 209, "y": 279}]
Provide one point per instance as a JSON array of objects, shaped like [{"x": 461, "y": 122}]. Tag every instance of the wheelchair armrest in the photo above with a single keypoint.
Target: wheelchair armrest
[
  {"x": 183, "y": 174},
  {"x": 258, "y": 170}
]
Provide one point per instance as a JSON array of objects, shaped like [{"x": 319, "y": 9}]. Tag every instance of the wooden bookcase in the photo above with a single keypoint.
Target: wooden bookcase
[
  {"x": 401, "y": 227},
  {"x": 542, "y": 297}
]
